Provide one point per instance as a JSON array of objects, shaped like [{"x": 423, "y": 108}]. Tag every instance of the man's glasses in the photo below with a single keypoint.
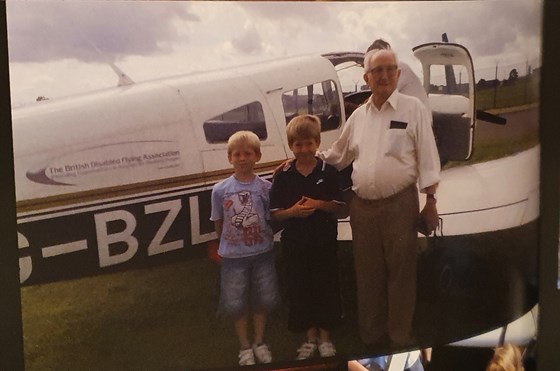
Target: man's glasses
[{"x": 389, "y": 69}]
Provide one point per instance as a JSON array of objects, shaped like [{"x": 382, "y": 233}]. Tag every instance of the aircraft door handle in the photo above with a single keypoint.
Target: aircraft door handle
[{"x": 273, "y": 90}]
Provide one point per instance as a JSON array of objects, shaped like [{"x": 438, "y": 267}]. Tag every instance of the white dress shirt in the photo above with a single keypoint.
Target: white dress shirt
[{"x": 392, "y": 148}]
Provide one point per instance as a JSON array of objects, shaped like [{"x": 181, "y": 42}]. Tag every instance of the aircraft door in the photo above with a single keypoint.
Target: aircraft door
[{"x": 449, "y": 82}]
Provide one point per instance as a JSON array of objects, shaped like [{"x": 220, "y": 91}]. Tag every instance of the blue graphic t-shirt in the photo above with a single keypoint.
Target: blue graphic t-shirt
[{"x": 244, "y": 209}]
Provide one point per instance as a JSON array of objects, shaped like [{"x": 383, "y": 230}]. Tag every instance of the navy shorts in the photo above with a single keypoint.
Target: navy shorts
[{"x": 248, "y": 282}]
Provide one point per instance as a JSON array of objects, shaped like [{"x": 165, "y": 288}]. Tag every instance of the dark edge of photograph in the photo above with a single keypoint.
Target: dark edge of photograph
[
  {"x": 549, "y": 295},
  {"x": 11, "y": 334}
]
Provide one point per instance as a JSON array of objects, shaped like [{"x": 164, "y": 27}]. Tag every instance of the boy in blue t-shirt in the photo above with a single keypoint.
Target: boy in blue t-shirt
[
  {"x": 306, "y": 196},
  {"x": 240, "y": 211}
]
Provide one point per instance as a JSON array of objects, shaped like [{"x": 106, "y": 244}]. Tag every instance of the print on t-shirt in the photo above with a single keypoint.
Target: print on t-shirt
[{"x": 244, "y": 217}]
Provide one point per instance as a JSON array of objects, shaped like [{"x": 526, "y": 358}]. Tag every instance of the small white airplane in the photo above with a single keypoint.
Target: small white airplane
[{"x": 121, "y": 178}]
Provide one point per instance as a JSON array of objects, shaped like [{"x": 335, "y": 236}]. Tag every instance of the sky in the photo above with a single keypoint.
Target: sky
[{"x": 62, "y": 48}]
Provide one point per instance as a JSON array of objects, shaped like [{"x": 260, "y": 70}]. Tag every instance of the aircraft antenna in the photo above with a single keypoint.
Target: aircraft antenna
[{"x": 124, "y": 79}]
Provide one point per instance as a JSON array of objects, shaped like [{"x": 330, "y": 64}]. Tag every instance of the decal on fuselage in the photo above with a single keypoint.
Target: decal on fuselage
[{"x": 87, "y": 165}]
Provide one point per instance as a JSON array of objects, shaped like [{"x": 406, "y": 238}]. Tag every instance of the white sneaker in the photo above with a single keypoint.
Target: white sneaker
[
  {"x": 246, "y": 357},
  {"x": 306, "y": 350},
  {"x": 327, "y": 349},
  {"x": 262, "y": 353}
]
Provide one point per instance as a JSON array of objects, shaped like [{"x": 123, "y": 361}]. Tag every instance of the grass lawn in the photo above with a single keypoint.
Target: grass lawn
[
  {"x": 162, "y": 318},
  {"x": 519, "y": 93}
]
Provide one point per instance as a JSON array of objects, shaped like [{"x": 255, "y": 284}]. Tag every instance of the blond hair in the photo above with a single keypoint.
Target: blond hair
[
  {"x": 304, "y": 127},
  {"x": 244, "y": 137},
  {"x": 506, "y": 358}
]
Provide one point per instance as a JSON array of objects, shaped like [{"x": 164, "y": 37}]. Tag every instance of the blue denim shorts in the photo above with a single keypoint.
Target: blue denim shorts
[{"x": 249, "y": 282}]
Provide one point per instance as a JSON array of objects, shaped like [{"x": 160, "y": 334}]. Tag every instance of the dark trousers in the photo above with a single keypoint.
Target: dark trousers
[
  {"x": 385, "y": 255},
  {"x": 312, "y": 278}
]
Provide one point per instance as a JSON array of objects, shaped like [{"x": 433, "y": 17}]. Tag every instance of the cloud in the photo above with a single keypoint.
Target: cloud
[
  {"x": 152, "y": 38},
  {"x": 486, "y": 28},
  {"x": 54, "y": 30},
  {"x": 305, "y": 14},
  {"x": 248, "y": 41}
]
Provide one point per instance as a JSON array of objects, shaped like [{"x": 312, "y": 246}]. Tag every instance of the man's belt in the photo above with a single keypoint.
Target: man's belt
[{"x": 390, "y": 199}]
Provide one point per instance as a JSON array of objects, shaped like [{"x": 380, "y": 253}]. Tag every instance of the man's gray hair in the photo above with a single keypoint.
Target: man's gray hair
[{"x": 371, "y": 53}]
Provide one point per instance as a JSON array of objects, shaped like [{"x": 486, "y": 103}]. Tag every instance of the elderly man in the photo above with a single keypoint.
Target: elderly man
[
  {"x": 408, "y": 83},
  {"x": 391, "y": 143}
]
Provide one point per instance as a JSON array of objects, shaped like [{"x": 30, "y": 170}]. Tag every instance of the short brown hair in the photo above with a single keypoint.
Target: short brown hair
[
  {"x": 378, "y": 45},
  {"x": 303, "y": 127}
]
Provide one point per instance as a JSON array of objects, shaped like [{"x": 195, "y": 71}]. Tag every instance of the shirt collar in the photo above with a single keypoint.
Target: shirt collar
[
  {"x": 291, "y": 166},
  {"x": 391, "y": 101}
]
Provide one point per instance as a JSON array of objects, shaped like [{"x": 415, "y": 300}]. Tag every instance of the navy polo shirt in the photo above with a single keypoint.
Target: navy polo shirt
[{"x": 289, "y": 185}]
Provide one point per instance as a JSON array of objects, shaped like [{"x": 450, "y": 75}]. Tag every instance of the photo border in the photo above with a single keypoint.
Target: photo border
[
  {"x": 11, "y": 335},
  {"x": 11, "y": 329},
  {"x": 549, "y": 295}
]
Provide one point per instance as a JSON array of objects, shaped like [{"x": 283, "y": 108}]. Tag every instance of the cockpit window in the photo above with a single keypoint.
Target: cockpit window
[
  {"x": 350, "y": 75},
  {"x": 248, "y": 117},
  {"x": 320, "y": 99},
  {"x": 449, "y": 80}
]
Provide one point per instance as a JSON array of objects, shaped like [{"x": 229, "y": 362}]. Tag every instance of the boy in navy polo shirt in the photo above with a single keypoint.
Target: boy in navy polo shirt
[{"x": 305, "y": 195}]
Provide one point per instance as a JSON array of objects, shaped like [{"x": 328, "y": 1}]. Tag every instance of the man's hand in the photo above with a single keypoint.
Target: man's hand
[
  {"x": 430, "y": 215},
  {"x": 281, "y": 166}
]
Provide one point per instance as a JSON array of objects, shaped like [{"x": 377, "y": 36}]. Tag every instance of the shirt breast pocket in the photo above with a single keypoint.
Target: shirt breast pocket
[{"x": 396, "y": 142}]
